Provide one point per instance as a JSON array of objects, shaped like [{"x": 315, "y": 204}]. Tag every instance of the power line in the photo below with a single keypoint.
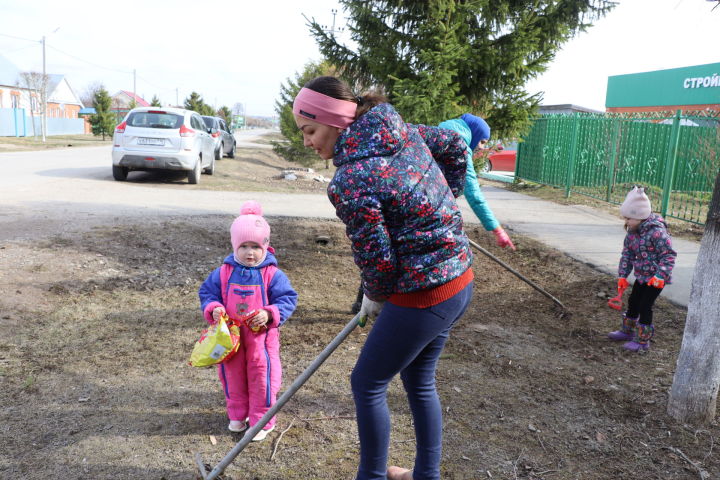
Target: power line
[
  {"x": 84, "y": 61},
  {"x": 20, "y": 38},
  {"x": 18, "y": 49},
  {"x": 90, "y": 63},
  {"x": 156, "y": 86},
  {"x": 111, "y": 69}
]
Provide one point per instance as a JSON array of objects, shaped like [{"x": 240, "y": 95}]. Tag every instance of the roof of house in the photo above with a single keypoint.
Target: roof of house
[
  {"x": 9, "y": 73},
  {"x": 138, "y": 99},
  {"x": 54, "y": 80},
  {"x": 10, "y": 76},
  {"x": 567, "y": 107}
]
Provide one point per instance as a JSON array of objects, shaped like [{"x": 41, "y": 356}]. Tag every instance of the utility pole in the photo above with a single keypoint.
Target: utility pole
[
  {"x": 134, "y": 82},
  {"x": 44, "y": 94},
  {"x": 177, "y": 101}
]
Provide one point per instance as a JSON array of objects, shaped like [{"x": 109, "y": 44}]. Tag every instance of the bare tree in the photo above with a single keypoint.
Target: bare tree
[
  {"x": 35, "y": 85},
  {"x": 87, "y": 97},
  {"x": 693, "y": 396}
]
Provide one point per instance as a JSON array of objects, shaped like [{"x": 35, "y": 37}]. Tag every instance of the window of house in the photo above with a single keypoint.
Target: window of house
[
  {"x": 1, "y": 99},
  {"x": 15, "y": 101}
]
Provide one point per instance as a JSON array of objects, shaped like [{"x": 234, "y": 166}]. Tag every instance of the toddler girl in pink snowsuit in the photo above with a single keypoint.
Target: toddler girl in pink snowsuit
[{"x": 257, "y": 296}]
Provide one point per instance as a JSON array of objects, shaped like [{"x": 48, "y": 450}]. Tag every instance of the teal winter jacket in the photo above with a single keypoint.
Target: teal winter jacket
[{"x": 473, "y": 194}]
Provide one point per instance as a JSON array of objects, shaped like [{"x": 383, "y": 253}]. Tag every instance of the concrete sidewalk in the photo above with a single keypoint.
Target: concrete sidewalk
[{"x": 588, "y": 235}]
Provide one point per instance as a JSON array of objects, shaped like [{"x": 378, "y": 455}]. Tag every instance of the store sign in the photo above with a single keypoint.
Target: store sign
[
  {"x": 700, "y": 82},
  {"x": 696, "y": 85}
]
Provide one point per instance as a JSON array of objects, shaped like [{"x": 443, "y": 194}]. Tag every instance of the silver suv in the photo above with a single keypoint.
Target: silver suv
[
  {"x": 152, "y": 138},
  {"x": 224, "y": 139}
]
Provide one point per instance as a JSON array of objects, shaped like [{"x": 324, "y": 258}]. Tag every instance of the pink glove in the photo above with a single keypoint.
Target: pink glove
[
  {"x": 656, "y": 282},
  {"x": 623, "y": 283},
  {"x": 217, "y": 313},
  {"x": 502, "y": 238}
]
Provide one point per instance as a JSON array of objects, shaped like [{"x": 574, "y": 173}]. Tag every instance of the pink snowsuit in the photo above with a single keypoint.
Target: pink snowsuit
[{"x": 252, "y": 378}]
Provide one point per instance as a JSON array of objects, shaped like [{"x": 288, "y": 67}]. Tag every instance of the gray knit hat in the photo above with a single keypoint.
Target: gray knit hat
[{"x": 636, "y": 205}]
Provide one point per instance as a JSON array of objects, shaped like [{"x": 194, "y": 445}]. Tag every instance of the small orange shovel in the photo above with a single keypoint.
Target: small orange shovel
[{"x": 616, "y": 302}]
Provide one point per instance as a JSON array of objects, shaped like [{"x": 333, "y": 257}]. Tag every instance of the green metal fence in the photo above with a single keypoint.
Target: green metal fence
[{"x": 676, "y": 157}]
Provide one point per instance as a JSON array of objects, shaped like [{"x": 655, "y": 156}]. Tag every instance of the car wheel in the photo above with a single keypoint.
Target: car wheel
[
  {"x": 487, "y": 167},
  {"x": 194, "y": 174},
  {"x": 232, "y": 151},
  {"x": 120, "y": 173},
  {"x": 211, "y": 169},
  {"x": 219, "y": 152}
]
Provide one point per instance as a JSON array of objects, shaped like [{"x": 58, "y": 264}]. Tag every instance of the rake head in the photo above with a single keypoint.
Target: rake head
[{"x": 615, "y": 302}]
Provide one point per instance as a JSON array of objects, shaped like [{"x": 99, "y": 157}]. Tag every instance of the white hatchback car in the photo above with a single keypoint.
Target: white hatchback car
[{"x": 151, "y": 138}]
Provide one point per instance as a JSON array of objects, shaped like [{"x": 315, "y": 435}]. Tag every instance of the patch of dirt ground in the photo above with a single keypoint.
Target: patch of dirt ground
[{"x": 98, "y": 327}]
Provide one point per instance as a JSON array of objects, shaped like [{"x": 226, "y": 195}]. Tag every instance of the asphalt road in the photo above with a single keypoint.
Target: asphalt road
[{"x": 56, "y": 190}]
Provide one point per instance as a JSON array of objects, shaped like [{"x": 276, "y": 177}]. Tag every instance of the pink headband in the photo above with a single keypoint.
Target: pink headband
[{"x": 324, "y": 109}]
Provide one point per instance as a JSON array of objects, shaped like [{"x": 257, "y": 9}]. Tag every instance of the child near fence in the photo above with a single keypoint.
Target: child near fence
[{"x": 648, "y": 251}]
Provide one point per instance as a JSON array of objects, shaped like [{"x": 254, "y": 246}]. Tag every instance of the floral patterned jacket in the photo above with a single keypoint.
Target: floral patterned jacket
[
  {"x": 648, "y": 251},
  {"x": 397, "y": 202}
]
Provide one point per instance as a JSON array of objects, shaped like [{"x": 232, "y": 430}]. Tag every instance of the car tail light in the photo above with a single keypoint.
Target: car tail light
[
  {"x": 216, "y": 134},
  {"x": 121, "y": 128},
  {"x": 186, "y": 132},
  {"x": 156, "y": 111}
]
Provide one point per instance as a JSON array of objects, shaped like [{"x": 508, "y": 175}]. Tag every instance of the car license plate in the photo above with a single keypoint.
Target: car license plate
[{"x": 151, "y": 141}]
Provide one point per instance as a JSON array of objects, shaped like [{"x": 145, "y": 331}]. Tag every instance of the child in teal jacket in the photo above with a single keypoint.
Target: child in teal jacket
[{"x": 475, "y": 131}]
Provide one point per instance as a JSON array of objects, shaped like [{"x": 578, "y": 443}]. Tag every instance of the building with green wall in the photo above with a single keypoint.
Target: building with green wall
[{"x": 687, "y": 88}]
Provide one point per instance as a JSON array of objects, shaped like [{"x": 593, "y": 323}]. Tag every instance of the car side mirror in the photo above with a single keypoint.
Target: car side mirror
[{"x": 209, "y": 130}]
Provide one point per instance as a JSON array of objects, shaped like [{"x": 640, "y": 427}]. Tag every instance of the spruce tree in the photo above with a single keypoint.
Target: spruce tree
[
  {"x": 225, "y": 113},
  {"x": 293, "y": 149},
  {"x": 155, "y": 102},
  {"x": 103, "y": 122},
  {"x": 457, "y": 55},
  {"x": 195, "y": 103}
]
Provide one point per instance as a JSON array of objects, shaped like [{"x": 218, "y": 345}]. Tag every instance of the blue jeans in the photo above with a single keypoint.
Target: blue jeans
[{"x": 406, "y": 341}]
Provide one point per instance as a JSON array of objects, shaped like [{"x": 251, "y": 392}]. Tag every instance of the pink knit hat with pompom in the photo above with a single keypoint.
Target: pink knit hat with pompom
[
  {"x": 250, "y": 226},
  {"x": 636, "y": 205}
]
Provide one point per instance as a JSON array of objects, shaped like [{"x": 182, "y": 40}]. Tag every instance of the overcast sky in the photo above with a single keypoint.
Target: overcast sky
[{"x": 242, "y": 51}]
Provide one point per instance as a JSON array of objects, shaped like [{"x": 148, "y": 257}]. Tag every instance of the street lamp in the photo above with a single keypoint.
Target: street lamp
[{"x": 332, "y": 29}]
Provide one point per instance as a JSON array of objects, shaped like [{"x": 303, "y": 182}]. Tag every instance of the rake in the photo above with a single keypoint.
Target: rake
[
  {"x": 616, "y": 302},
  {"x": 518, "y": 274}
]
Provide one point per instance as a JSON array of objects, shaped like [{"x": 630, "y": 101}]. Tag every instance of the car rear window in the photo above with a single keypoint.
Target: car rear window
[
  {"x": 154, "y": 120},
  {"x": 209, "y": 122}
]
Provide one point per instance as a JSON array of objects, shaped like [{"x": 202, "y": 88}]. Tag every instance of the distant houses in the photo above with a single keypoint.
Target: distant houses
[
  {"x": 21, "y": 108},
  {"x": 122, "y": 103}
]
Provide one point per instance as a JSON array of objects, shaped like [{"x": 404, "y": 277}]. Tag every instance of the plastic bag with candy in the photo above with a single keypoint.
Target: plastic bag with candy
[{"x": 217, "y": 344}]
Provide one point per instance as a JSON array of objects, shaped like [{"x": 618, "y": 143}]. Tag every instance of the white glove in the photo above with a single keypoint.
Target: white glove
[{"x": 370, "y": 309}]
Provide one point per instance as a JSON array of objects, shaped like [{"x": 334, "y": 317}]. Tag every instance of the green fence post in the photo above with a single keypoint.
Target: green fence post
[
  {"x": 613, "y": 158},
  {"x": 670, "y": 163},
  {"x": 571, "y": 159}
]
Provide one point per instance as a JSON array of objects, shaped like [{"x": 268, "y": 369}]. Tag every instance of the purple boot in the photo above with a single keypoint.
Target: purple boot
[
  {"x": 643, "y": 334},
  {"x": 627, "y": 330}
]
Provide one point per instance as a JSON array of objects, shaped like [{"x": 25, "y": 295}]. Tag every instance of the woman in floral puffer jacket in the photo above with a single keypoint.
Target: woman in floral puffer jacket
[{"x": 406, "y": 230}]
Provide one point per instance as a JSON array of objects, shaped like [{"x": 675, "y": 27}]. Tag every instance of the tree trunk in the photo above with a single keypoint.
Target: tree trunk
[{"x": 693, "y": 397}]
